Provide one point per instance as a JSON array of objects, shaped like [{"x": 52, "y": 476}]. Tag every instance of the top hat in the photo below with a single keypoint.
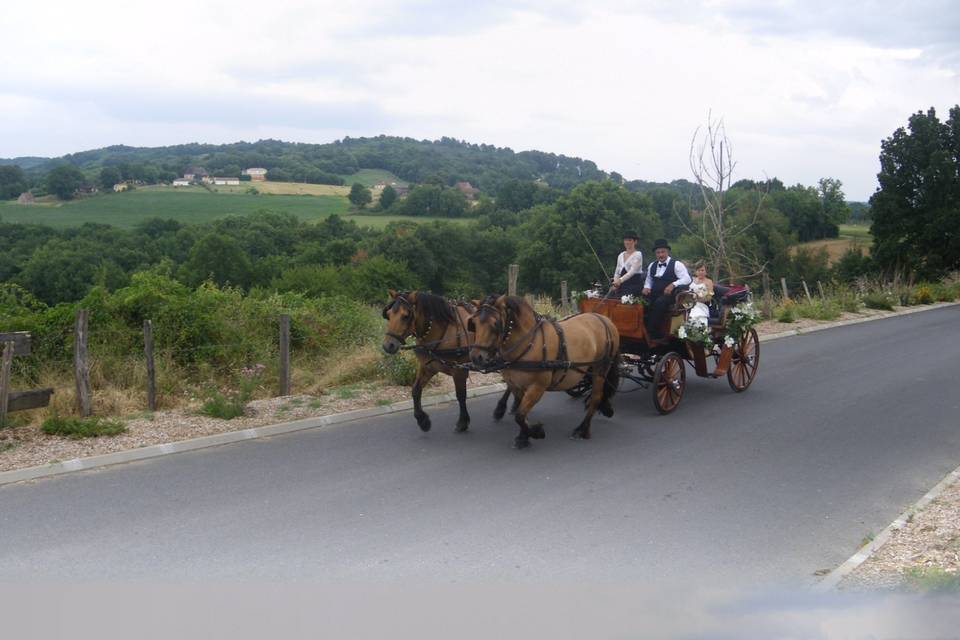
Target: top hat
[{"x": 661, "y": 244}]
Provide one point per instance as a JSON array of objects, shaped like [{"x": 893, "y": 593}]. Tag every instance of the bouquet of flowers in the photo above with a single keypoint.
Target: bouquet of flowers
[
  {"x": 696, "y": 332},
  {"x": 632, "y": 299},
  {"x": 743, "y": 318}
]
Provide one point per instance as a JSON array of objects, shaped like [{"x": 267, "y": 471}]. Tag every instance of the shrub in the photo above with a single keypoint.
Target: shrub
[
  {"x": 819, "y": 310},
  {"x": 81, "y": 427},
  {"x": 233, "y": 405},
  {"x": 787, "y": 313},
  {"x": 878, "y": 300},
  {"x": 220, "y": 406},
  {"x": 400, "y": 369},
  {"x": 845, "y": 298},
  {"x": 923, "y": 294}
]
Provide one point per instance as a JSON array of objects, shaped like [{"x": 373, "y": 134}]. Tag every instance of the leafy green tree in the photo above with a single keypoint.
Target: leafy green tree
[
  {"x": 219, "y": 259},
  {"x": 13, "y": 182},
  {"x": 387, "y": 197},
  {"x": 833, "y": 202},
  {"x": 64, "y": 271},
  {"x": 916, "y": 210},
  {"x": 360, "y": 196},
  {"x": 433, "y": 200},
  {"x": 64, "y": 180},
  {"x": 553, "y": 249},
  {"x": 108, "y": 177}
]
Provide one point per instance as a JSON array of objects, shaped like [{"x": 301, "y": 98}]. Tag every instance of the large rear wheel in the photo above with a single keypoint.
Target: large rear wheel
[
  {"x": 745, "y": 362},
  {"x": 669, "y": 381}
]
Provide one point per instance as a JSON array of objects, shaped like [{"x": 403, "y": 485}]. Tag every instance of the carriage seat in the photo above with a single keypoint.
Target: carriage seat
[{"x": 724, "y": 298}]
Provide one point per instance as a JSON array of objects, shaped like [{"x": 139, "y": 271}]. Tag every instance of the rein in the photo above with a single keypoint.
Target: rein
[
  {"x": 561, "y": 363},
  {"x": 428, "y": 348}
]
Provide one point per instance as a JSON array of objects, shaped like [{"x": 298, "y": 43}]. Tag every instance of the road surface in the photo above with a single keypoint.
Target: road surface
[{"x": 840, "y": 432}]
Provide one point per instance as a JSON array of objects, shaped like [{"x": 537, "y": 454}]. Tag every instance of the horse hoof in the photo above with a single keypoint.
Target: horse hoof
[
  {"x": 424, "y": 423},
  {"x": 537, "y": 432},
  {"x": 499, "y": 412},
  {"x": 461, "y": 427},
  {"x": 521, "y": 443},
  {"x": 580, "y": 434},
  {"x": 606, "y": 410}
]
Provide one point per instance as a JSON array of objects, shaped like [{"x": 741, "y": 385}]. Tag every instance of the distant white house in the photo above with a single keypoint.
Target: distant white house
[
  {"x": 256, "y": 173},
  {"x": 226, "y": 181},
  {"x": 120, "y": 186},
  {"x": 181, "y": 182},
  {"x": 25, "y": 198}
]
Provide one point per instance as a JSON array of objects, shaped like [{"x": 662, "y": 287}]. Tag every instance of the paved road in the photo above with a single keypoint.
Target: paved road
[{"x": 840, "y": 432}]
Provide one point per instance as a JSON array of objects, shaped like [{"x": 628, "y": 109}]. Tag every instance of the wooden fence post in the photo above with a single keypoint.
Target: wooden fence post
[
  {"x": 806, "y": 289},
  {"x": 767, "y": 296},
  {"x": 8, "y": 348},
  {"x": 284, "y": 355},
  {"x": 564, "y": 301},
  {"x": 81, "y": 364},
  {"x": 820, "y": 286},
  {"x": 512, "y": 275},
  {"x": 786, "y": 294},
  {"x": 151, "y": 369}
]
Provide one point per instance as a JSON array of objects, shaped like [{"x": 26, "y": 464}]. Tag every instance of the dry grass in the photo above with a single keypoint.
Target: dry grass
[{"x": 290, "y": 188}]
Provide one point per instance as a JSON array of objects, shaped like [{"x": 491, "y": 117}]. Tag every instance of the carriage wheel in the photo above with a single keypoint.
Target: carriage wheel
[
  {"x": 745, "y": 362},
  {"x": 669, "y": 381}
]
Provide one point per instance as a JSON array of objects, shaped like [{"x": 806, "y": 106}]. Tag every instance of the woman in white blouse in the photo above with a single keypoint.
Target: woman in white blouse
[{"x": 628, "y": 276}]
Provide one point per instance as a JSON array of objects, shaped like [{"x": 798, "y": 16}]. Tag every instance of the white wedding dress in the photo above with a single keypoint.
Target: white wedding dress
[{"x": 700, "y": 313}]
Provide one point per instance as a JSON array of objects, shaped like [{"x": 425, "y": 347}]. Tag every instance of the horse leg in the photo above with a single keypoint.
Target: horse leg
[
  {"x": 460, "y": 384},
  {"x": 517, "y": 398},
  {"x": 423, "y": 377},
  {"x": 501, "y": 405},
  {"x": 582, "y": 432},
  {"x": 531, "y": 396}
]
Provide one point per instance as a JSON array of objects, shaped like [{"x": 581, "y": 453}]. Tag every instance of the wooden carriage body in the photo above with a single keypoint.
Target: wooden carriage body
[{"x": 660, "y": 363}]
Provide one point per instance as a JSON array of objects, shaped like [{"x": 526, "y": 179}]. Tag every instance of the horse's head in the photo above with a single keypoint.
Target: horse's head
[
  {"x": 400, "y": 314},
  {"x": 488, "y": 325}
]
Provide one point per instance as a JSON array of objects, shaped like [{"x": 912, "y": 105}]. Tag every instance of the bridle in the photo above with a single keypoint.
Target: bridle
[
  {"x": 411, "y": 329},
  {"x": 506, "y": 323}
]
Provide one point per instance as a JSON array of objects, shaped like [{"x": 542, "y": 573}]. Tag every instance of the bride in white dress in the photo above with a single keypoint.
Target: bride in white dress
[{"x": 702, "y": 288}]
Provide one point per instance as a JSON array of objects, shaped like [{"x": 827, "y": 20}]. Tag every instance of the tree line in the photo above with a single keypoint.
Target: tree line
[{"x": 442, "y": 162}]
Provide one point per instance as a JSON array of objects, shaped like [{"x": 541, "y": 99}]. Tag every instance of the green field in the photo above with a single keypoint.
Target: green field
[
  {"x": 370, "y": 177},
  {"x": 191, "y": 205}
]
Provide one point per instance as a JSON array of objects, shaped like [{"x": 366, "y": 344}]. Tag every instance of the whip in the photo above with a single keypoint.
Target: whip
[{"x": 599, "y": 261}]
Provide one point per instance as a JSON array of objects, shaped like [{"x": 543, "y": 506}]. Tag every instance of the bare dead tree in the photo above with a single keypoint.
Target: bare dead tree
[{"x": 712, "y": 165}]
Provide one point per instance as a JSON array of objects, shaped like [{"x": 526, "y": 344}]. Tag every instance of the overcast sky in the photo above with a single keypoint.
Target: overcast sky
[{"x": 806, "y": 89}]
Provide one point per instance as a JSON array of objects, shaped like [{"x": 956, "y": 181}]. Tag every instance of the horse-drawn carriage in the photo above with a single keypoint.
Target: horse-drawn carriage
[
  {"x": 729, "y": 342},
  {"x": 587, "y": 354}
]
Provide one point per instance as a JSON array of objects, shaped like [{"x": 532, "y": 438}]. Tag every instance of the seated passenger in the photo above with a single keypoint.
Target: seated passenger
[
  {"x": 628, "y": 276},
  {"x": 702, "y": 288},
  {"x": 664, "y": 275}
]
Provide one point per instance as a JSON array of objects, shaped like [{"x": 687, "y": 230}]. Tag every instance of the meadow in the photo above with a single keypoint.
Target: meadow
[
  {"x": 851, "y": 235},
  {"x": 370, "y": 177},
  {"x": 188, "y": 205}
]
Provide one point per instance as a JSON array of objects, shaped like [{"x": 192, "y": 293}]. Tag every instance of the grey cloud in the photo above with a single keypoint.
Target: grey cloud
[
  {"x": 930, "y": 25},
  {"x": 236, "y": 109}
]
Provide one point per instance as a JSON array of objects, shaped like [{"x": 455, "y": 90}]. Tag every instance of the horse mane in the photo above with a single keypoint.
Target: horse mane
[
  {"x": 435, "y": 307},
  {"x": 516, "y": 304}
]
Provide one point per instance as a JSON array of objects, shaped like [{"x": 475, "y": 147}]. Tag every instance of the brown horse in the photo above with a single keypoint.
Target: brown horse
[
  {"x": 442, "y": 342},
  {"x": 538, "y": 354}
]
